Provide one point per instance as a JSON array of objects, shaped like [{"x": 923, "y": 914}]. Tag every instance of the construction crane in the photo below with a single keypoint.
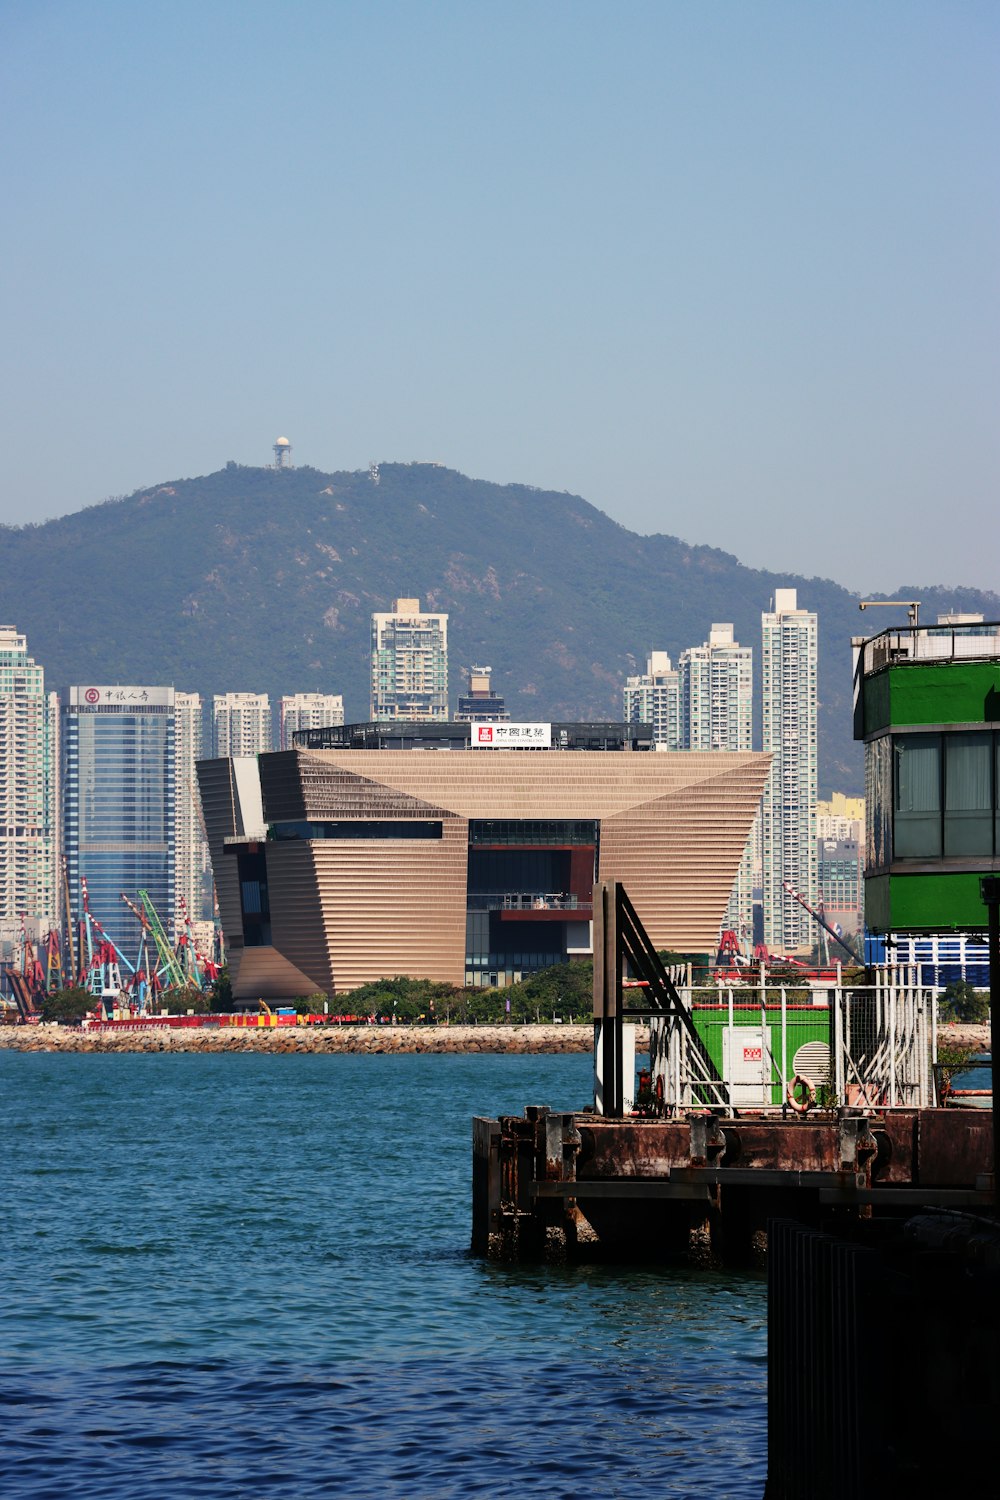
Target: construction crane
[
  {"x": 731, "y": 962},
  {"x": 186, "y": 952},
  {"x": 786, "y": 886},
  {"x": 102, "y": 975},
  {"x": 168, "y": 965},
  {"x": 69, "y": 923},
  {"x": 53, "y": 963},
  {"x": 147, "y": 979},
  {"x": 26, "y": 980}
]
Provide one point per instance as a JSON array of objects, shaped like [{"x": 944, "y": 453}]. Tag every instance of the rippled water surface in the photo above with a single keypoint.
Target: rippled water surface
[{"x": 239, "y": 1275}]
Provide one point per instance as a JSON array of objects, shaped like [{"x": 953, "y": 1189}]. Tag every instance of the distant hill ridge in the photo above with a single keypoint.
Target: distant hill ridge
[{"x": 253, "y": 579}]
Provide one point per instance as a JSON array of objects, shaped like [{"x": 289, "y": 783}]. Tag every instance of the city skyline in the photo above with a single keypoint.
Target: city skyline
[{"x": 710, "y": 696}]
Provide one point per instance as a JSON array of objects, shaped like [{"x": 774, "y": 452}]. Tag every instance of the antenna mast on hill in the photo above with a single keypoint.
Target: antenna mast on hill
[{"x": 283, "y": 454}]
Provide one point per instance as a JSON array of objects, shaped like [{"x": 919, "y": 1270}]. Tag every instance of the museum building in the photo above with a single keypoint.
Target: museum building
[{"x": 370, "y": 851}]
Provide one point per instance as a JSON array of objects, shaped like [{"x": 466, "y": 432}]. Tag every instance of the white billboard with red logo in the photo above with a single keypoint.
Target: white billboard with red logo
[
  {"x": 124, "y": 698},
  {"x": 485, "y": 736}
]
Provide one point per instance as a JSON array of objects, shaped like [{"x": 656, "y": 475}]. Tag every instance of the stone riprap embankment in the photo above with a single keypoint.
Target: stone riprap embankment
[
  {"x": 959, "y": 1034},
  {"x": 537, "y": 1038}
]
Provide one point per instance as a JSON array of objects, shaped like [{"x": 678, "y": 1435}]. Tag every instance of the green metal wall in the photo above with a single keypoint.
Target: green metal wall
[
  {"x": 806, "y": 1024},
  {"x": 947, "y": 692},
  {"x": 923, "y": 693},
  {"x": 924, "y": 903}
]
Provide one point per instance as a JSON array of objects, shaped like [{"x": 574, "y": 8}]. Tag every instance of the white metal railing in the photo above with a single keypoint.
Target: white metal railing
[
  {"x": 872, "y": 1046},
  {"x": 524, "y": 901},
  {"x": 971, "y": 640}
]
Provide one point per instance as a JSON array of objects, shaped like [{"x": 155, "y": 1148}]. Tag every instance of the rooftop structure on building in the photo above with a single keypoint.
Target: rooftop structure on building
[
  {"x": 481, "y": 702},
  {"x": 409, "y": 663},
  {"x": 377, "y": 854},
  {"x": 459, "y": 734}
]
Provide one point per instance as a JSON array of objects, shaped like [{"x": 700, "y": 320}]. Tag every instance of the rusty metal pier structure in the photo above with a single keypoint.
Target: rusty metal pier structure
[{"x": 696, "y": 1175}]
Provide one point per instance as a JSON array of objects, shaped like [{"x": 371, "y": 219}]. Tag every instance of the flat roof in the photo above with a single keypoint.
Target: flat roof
[{"x": 456, "y": 734}]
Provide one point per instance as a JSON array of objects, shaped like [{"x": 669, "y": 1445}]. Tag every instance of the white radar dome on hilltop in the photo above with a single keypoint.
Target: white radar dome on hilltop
[{"x": 282, "y": 443}]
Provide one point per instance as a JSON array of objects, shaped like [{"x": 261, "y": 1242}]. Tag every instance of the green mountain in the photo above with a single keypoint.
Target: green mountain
[{"x": 264, "y": 580}]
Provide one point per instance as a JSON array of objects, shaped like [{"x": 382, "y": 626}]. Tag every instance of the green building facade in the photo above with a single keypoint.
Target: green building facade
[{"x": 927, "y": 706}]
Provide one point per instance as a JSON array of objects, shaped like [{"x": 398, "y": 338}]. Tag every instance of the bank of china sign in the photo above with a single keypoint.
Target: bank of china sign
[{"x": 510, "y": 736}]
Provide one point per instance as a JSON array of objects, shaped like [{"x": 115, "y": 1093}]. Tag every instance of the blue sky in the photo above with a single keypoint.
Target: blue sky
[{"x": 729, "y": 271}]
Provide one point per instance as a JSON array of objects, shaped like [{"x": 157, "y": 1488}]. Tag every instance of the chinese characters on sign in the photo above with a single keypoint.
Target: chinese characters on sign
[
  {"x": 117, "y": 695},
  {"x": 121, "y": 697},
  {"x": 510, "y": 736}
]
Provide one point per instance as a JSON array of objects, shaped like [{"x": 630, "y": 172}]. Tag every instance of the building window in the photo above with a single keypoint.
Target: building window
[
  {"x": 917, "y": 796},
  {"x": 944, "y": 796},
  {"x": 968, "y": 795}
]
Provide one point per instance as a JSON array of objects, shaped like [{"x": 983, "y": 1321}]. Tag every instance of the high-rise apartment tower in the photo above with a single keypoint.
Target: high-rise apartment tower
[
  {"x": 788, "y": 703},
  {"x": 308, "y": 711},
  {"x": 716, "y": 713},
  {"x": 192, "y": 868},
  {"x": 409, "y": 663},
  {"x": 242, "y": 723},
  {"x": 29, "y": 795},
  {"x": 653, "y": 698},
  {"x": 716, "y": 693}
]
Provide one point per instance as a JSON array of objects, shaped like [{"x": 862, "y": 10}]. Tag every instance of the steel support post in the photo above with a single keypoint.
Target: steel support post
[{"x": 989, "y": 887}]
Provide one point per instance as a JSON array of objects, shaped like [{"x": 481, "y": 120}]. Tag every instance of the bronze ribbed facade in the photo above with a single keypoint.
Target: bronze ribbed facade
[{"x": 365, "y": 865}]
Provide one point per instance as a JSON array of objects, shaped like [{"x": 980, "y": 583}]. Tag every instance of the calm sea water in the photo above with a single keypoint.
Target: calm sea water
[{"x": 239, "y": 1275}]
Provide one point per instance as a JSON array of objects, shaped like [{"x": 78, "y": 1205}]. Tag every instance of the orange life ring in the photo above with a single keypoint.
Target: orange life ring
[{"x": 801, "y": 1106}]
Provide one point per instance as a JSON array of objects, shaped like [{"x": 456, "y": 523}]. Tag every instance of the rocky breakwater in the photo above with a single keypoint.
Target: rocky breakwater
[{"x": 283, "y": 1039}]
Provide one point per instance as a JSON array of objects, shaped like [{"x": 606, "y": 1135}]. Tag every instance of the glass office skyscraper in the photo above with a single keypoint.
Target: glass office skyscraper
[{"x": 119, "y": 789}]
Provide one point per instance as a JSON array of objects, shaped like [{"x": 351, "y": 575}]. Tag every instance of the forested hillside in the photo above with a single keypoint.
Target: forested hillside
[{"x": 265, "y": 580}]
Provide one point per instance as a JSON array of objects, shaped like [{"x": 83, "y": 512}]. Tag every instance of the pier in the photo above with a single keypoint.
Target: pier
[{"x": 752, "y": 1108}]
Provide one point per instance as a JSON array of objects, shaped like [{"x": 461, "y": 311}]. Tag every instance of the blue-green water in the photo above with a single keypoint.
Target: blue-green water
[{"x": 239, "y": 1275}]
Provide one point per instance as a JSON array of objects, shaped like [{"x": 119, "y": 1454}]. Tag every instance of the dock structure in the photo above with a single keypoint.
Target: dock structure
[
  {"x": 560, "y": 1186},
  {"x": 705, "y": 1156}
]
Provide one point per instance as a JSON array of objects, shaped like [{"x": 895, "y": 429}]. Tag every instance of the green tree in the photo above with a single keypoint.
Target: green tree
[
  {"x": 408, "y": 1000},
  {"x": 179, "y": 1002},
  {"x": 222, "y": 990},
  {"x": 69, "y": 1005},
  {"x": 565, "y": 990},
  {"x": 960, "y": 1002}
]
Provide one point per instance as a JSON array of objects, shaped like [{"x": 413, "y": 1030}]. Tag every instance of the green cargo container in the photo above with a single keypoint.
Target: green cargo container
[{"x": 749, "y": 1053}]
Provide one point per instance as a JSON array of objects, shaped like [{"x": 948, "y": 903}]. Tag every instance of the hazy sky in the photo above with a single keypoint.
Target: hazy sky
[{"x": 728, "y": 270}]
